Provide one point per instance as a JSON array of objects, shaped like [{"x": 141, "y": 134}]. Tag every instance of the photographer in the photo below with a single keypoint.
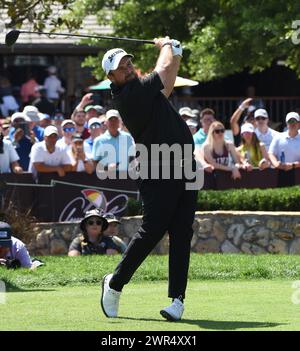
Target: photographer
[
  {"x": 8, "y": 156},
  {"x": 13, "y": 253}
]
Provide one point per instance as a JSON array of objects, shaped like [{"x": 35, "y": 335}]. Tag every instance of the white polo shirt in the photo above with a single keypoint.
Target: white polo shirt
[
  {"x": 39, "y": 153},
  {"x": 9, "y": 155},
  {"x": 290, "y": 147},
  {"x": 267, "y": 137}
]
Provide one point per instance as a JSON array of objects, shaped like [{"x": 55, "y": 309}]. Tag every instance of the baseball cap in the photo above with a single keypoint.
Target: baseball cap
[
  {"x": 191, "y": 123},
  {"x": 292, "y": 115},
  {"x": 112, "y": 113},
  {"x": 5, "y": 234},
  {"x": 247, "y": 127},
  {"x": 33, "y": 113},
  {"x": 98, "y": 108},
  {"x": 93, "y": 213},
  {"x": 68, "y": 121},
  {"x": 20, "y": 115},
  {"x": 77, "y": 137},
  {"x": 261, "y": 113},
  {"x": 112, "y": 58},
  {"x": 50, "y": 130},
  {"x": 44, "y": 116},
  {"x": 111, "y": 218},
  {"x": 94, "y": 120},
  {"x": 186, "y": 111}
]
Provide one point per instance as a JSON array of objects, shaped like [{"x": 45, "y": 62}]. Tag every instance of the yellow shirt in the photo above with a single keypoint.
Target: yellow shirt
[{"x": 252, "y": 154}]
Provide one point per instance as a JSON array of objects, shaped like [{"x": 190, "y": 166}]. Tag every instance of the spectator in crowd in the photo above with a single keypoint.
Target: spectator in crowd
[
  {"x": 218, "y": 151},
  {"x": 92, "y": 240},
  {"x": 95, "y": 130},
  {"x": 5, "y": 127},
  {"x": 13, "y": 252},
  {"x": 42, "y": 103},
  {"x": 29, "y": 91},
  {"x": 53, "y": 86},
  {"x": 79, "y": 160},
  {"x": 192, "y": 124},
  {"x": 186, "y": 113},
  {"x": 207, "y": 117},
  {"x": 113, "y": 226},
  {"x": 121, "y": 142},
  {"x": 253, "y": 152},
  {"x": 284, "y": 150},
  {"x": 8, "y": 103},
  {"x": 22, "y": 137},
  {"x": 264, "y": 133},
  {"x": 93, "y": 111},
  {"x": 79, "y": 117},
  {"x": 8, "y": 156},
  {"x": 46, "y": 157},
  {"x": 57, "y": 121},
  {"x": 236, "y": 121},
  {"x": 35, "y": 116},
  {"x": 45, "y": 121},
  {"x": 68, "y": 130}
]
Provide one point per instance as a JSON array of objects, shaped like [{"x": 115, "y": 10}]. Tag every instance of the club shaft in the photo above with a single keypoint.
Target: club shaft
[{"x": 91, "y": 36}]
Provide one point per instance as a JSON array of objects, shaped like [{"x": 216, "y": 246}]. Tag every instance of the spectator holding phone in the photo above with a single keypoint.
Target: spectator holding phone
[
  {"x": 217, "y": 151},
  {"x": 79, "y": 160}
]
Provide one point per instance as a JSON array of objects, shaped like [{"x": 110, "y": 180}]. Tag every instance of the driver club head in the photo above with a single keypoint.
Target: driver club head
[{"x": 11, "y": 37}]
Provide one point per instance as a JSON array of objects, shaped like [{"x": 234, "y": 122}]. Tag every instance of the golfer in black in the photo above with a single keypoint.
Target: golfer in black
[{"x": 167, "y": 205}]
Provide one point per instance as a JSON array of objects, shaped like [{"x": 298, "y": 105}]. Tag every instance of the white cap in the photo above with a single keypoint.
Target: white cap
[
  {"x": 67, "y": 121},
  {"x": 50, "y": 130},
  {"x": 186, "y": 111},
  {"x": 112, "y": 113},
  {"x": 191, "y": 123},
  {"x": 93, "y": 121},
  {"x": 33, "y": 113},
  {"x": 52, "y": 69},
  {"x": 261, "y": 113},
  {"x": 247, "y": 127},
  {"x": 20, "y": 115},
  {"x": 112, "y": 58},
  {"x": 292, "y": 115}
]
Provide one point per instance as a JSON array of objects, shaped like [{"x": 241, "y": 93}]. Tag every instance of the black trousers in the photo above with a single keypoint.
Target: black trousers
[{"x": 167, "y": 206}]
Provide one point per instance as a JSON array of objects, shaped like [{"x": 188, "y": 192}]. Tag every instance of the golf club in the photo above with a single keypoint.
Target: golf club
[{"x": 12, "y": 36}]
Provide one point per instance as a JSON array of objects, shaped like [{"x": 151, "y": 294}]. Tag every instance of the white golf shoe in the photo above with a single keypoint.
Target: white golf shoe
[
  {"x": 109, "y": 298},
  {"x": 174, "y": 311}
]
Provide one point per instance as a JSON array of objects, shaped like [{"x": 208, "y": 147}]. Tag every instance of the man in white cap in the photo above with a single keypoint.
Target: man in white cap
[
  {"x": 35, "y": 117},
  {"x": 186, "y": 113},
  {"x": 53, "y": 86},
  {"x": 284, "y": 151},
  {"x": 121, "y": 142},
  {"x": 264, "y": 133},
  {"x": 167, "y": 204},
  {"x": 46, "y": 157}
]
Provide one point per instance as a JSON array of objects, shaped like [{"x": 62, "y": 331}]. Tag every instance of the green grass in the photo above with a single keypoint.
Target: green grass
[
  {"x": 238, "y": 305},
  {"x": 225, "y": 292},
  {"x": 62, "y": 271}
]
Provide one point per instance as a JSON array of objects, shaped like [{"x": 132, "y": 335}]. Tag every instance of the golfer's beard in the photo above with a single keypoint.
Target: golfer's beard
[{"x": 130, "y": 76}]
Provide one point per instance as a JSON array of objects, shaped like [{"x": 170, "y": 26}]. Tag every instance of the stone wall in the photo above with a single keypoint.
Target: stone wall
[{"x": 218, "y": 231}]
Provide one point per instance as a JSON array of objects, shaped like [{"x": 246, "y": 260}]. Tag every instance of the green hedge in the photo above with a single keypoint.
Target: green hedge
[{"x": 278, "y": 199}]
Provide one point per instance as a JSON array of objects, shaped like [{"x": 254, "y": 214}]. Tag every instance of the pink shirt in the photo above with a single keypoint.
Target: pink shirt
[{"x": 28, "y": 89}]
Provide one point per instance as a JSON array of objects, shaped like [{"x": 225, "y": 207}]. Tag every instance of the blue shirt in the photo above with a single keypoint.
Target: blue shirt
[
  {"x": 109, "y": 149},
  {"x": 199, "y": 137},
  {"x": 39, "y": 132},
  {"x": 23, "y": 148}
]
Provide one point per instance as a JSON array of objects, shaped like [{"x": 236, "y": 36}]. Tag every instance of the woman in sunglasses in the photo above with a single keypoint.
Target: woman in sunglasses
[
  {"x": 92, "y": 241},
  {"x": 217, "y": 151},
  {"x": 253, "y": 152}
]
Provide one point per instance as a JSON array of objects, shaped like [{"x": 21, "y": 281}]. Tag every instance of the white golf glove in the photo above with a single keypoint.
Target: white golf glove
[{"x": 176, "y": 48}]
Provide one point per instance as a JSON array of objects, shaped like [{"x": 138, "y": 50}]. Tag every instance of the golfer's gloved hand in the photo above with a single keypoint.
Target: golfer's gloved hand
[{"x": 176, "y": 48}]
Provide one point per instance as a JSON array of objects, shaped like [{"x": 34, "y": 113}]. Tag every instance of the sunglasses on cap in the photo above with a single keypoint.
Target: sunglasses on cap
[
  {"x": 292, "y": 121},
  {"x": 97, "y": 222},
  {"x": 219, "y": 131},
  {"x": 95, "y": 126},
  {"x": 261, "y": 118},
  {"x": 70, "y": 129}
]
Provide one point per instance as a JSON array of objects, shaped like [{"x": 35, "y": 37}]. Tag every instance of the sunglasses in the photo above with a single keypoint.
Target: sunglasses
[
  {"x": 95, "y": 126},
  {"x": 261, "y": 118},
  {"x": 60, "y": 118},
  {"x": 219, "y": 131},
  {"x": 71, "y": 129},
  {"x": 90, "y": 222},
  {"x": 292, "y": 121}
]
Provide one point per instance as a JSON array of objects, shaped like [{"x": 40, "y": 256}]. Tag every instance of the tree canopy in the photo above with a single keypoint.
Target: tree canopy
[{"x": 220, "y": 37}]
